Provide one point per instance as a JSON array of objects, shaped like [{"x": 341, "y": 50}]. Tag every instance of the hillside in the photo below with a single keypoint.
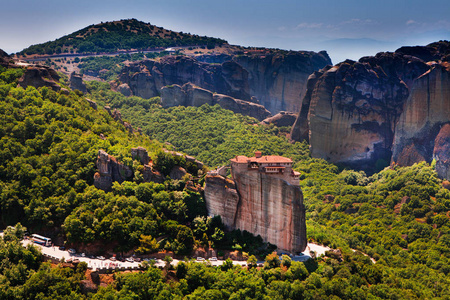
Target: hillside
[
  {"x": 129, "y": 34},
  {"x": 49, "y": 145}
]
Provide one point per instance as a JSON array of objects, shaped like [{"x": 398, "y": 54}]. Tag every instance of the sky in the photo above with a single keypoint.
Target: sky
[{"x": 346, "y": 29}]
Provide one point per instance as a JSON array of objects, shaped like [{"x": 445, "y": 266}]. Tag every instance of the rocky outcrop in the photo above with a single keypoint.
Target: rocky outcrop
[
  {"x": 140, "y": 154},
  {"x": 151, "y": 175},
  {"x": 109, "y": 170},
  {"x": 352, "y": 111},
  {"x": 422, "y": 133},
  {"x": 261, "y": 203},
  {"x": 40, "y": 76},
  {"x": 281, "y": 119},
  {"x": 146, "y": 78},
  {"x": 4, "y": 58},
  {"x": 92, "y": 103},
  {"x": 177, "y": 173},
  {"x": 190, "y": 95},
  {"x": 222, "y": 198},
  {"x": 116, "y": 115},
  {"x": 277, "y": 80},
  {"x": 76, "y": 82}
]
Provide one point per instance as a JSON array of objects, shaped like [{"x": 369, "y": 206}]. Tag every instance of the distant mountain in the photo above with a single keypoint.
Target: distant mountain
[
  {"x": 346, "y": 48},
  {"x": 120, "y": 35}
]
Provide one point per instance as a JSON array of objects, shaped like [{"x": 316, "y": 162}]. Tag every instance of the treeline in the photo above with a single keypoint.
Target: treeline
[{"x": 120, "y": 35}]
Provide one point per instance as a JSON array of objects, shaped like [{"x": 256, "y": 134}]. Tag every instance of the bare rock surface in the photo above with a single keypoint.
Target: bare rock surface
[
  {"x": 76, "y": 82},
  {"x": 190, "y": 95},
  {"x": 4, "y": 58},
  {"x": 277, "y": 80},
  {"x": 40, "y": 76},
  {"x": 281, "y": 119},
  {"x": 385, "y": 108},
  {"x": 422, "y": 132},
  {"x": 110, "y": 170},
  {"x": 263, "y": 204},
  {"x": 141, "y": 154}
]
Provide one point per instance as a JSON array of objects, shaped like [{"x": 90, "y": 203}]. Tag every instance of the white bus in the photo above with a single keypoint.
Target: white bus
[{"x": 41, "y": 240}]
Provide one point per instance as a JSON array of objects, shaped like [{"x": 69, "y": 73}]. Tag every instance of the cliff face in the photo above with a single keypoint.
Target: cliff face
[
  {"x": 261, "y": 204},
  {"x": 277, "y": 80},
  {"x": 40, "y": 76},
  {"x": 189, "y": 95},
  {"x": 109, "y": 170},
  {"x": 422, "y": 132},
  {"x": 351, "y": 112},
  {"x": 146, "y": 78},
  {"x": 76, "y": 82},
  {"x": 4, "y": 58}
]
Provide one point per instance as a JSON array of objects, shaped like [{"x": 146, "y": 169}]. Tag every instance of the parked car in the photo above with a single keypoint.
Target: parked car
[
  {"x": 62, "y": 248},
  {"x": 72, "y": 251},
  {"x": 83, "y": 255},
  {"x": 129, "y": 259},
  {"x": 101, "y": 257},
  {"x": 113, "y": 258},
  {"x": 200, "y": 259},
  {"x": 137, "y": 259},
  {"x": 213, "y": 258}
]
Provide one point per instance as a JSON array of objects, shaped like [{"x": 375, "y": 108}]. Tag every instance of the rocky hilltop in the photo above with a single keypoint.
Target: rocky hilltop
[
  {"x": 351, "y": 112},
  {"x": 277, "y": 80},
  {"x": 263, "y": 198}
]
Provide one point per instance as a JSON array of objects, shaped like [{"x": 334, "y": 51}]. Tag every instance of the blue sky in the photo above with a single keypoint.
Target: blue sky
[{"x": 345, "y": 28}]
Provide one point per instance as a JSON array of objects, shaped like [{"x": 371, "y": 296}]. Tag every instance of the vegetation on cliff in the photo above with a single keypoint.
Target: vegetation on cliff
[{"x": 120, "y": 35}]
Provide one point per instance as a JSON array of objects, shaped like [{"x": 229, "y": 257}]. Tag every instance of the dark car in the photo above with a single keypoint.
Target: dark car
[{"x": 62, "y": 248}]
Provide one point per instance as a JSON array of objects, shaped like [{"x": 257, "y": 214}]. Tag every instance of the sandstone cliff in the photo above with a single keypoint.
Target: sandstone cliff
[
  {"x": 189, "y": 95},
  {"x": 281, "y": 119},
  {"x": 351, "y": 112},
  {"x": 76, "y": 82},
  {"x": 277, "y": 80},
  {"x": 261, "y": 204},
  {"x": 110, "y": 170},
  {"x": 4, "y": 58},
  {"x": 40, "y": 76},
  {"x": 422, "y": 132}
]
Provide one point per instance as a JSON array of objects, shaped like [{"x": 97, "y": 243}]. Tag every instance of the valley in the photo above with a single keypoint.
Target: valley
[{"x": 124, "y": 157}]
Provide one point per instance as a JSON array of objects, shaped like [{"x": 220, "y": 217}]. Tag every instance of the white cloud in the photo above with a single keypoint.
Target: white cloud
[
  {"x": 411, "y": 22},
  {"x": 309, "y": 25}
]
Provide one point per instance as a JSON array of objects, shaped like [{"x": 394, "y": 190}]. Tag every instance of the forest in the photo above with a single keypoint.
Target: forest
[{"x": 49, "y": 141}]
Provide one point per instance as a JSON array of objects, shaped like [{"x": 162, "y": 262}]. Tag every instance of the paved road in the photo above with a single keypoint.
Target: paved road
[{"x": 97, "y": 263}]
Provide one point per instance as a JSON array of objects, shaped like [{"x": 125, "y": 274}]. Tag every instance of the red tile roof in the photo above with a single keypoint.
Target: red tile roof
[{"x": 263, "y": 159}]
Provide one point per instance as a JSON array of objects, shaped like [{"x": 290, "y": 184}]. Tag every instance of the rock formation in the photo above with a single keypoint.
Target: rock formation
[
  {"x": 190, "y": 95},
  {"x": 281, "y": 119},
  {"x": 40, "y": 76},
  {"x": 141, "y": 154},
  {"x": 422, "y": 131},
  {"x": 352, "y": 111},
  {"x": 263, "y": 198},
  {"x": 277, "y": 80},
  {"x": 76, "y": 82},
  {"x": 109, "y": 170},
  {"x": 4, "y": 58}
]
